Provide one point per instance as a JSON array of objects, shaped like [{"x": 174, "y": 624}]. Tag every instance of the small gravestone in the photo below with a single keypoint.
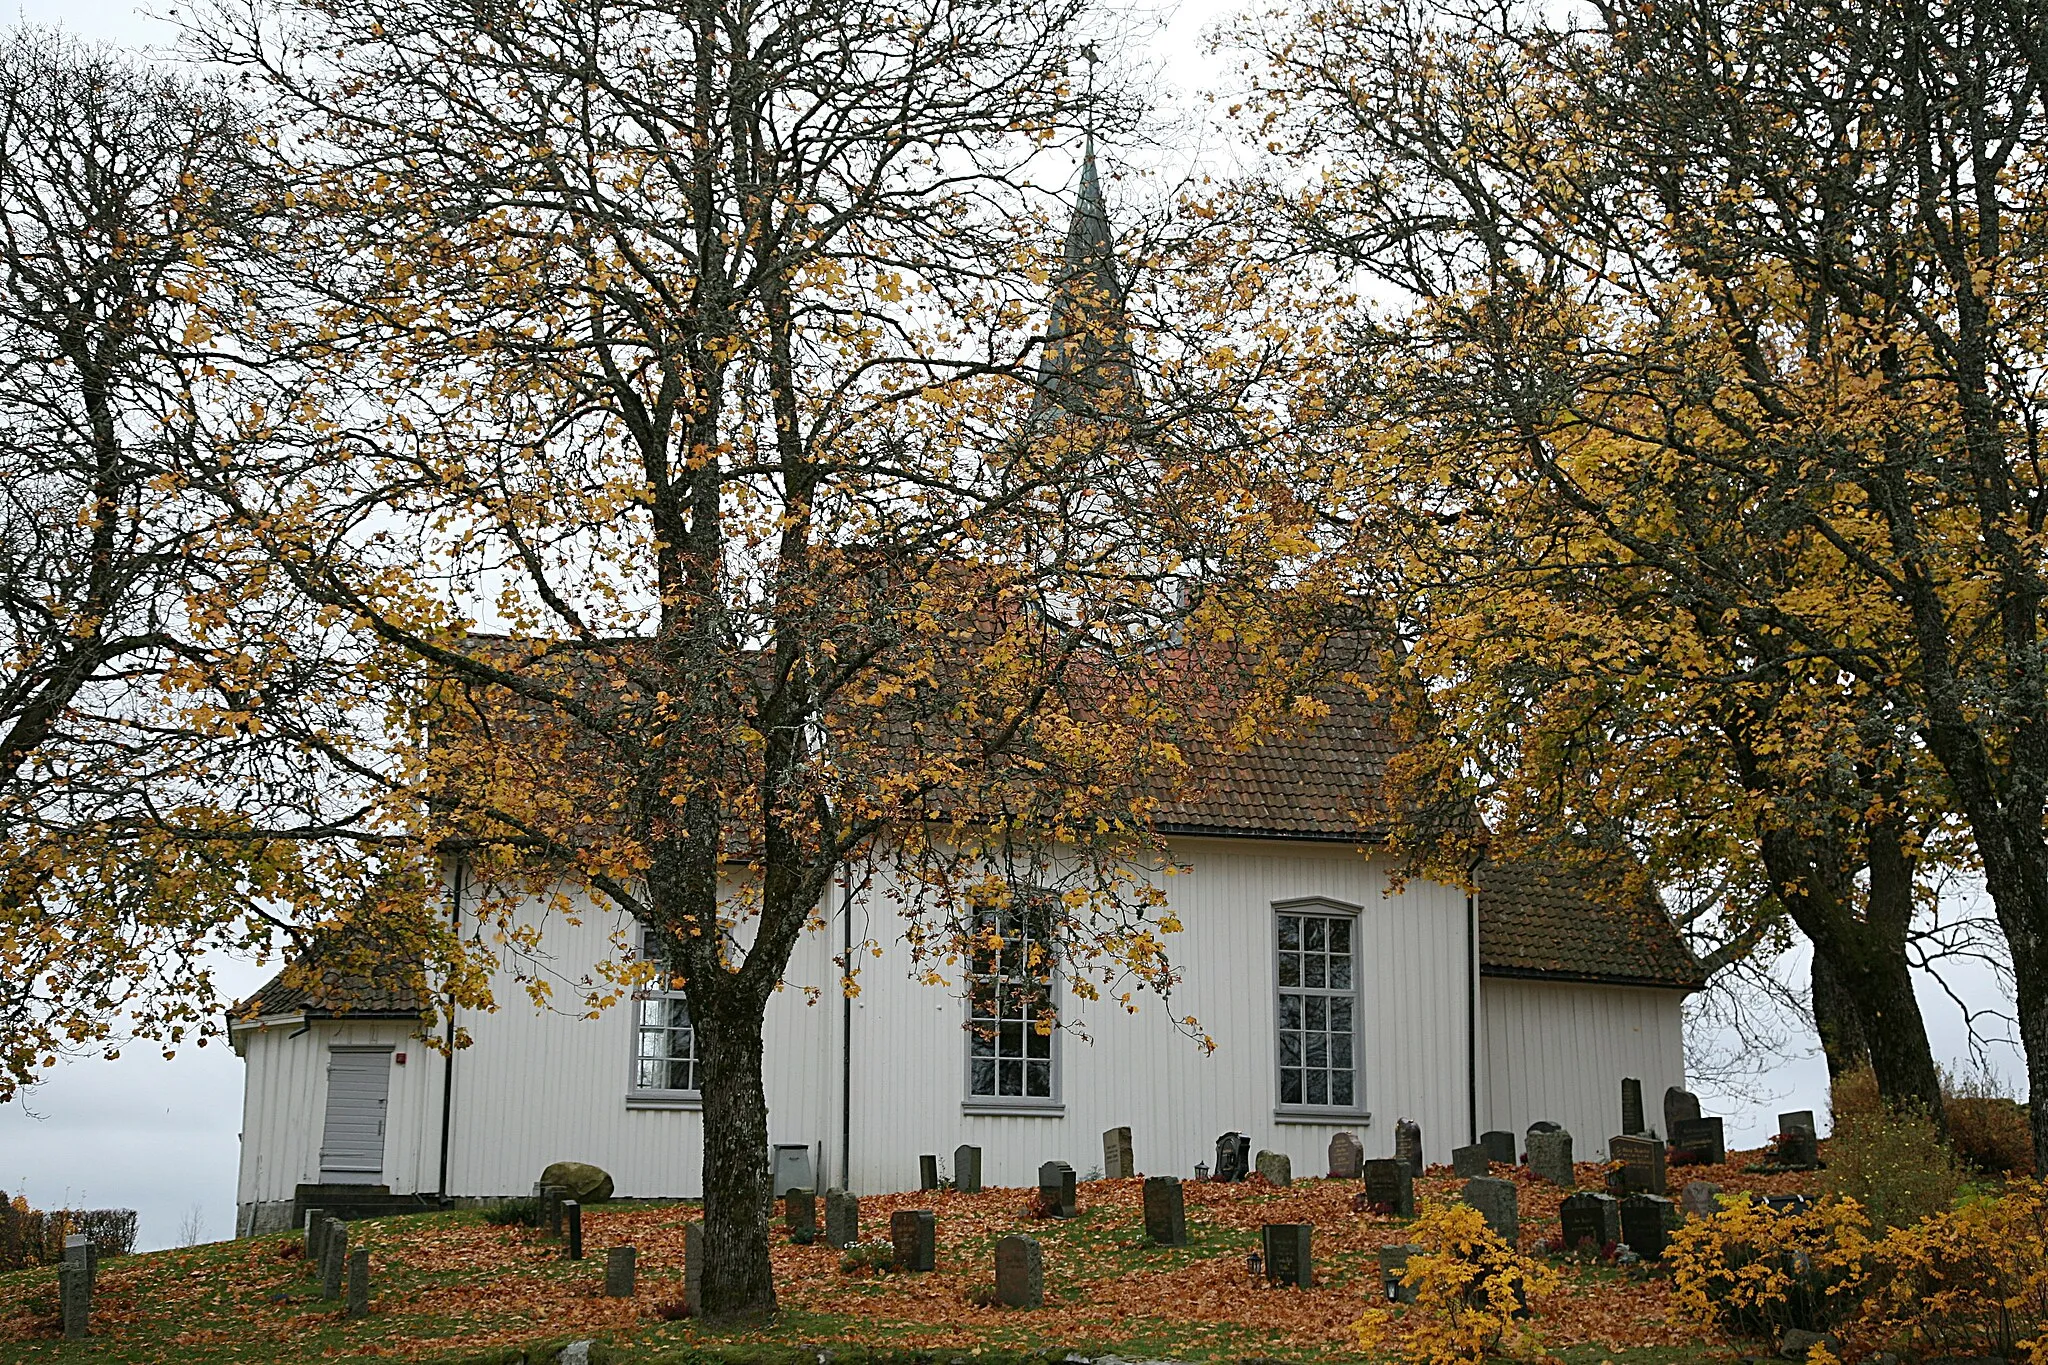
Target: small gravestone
[
  {"x": 1166, "y": 1214},
  {"x": 1390, "y": 1186},
  {"x": 1592, "y": 1218},
  {"x": 551, "y": 1208},
  {"x": 1679, "y": 1105},
  {"x": 1500, "y": 1147},
  {"x": 693, "y": 1266},
  {"x": 1642, "y": 1164},
  {"x": 842, "y": 1218},
  {"x": 621, "y": 1270},
  {"x": 1394, "y": 1268},
  {"x": 928, "y": 1171},
  {"x": 1550, "y": 1158},
  {"x": 1701, "y": 1140},
  {"x": 1497, "y": 1202},
  {"x": 359, "y": 1283},
  {"x": 915, "y": 1235},
  {"x": 800, "y": 1216},
  {"x": 572, "y": 1220},
  {"x": 1233, "y": 1157},
  {"x": 1118, "y": 1162},
  {"x": 1470, "y": 1162},
  {"x": 1020, "y": 1273},
  {"x": 1276, "y": 1168},
  {"x": 1798, "y": 1121},
  {"x": 1056, "y": 1188},
  {"x": 316, "y": 1224},
  {"x": 1798, "y": 1147},
  {"x": 1702, "y": 1199},
  {"x": 967, "y": 1169},
  {"x": 1287, "y": 1252},
  {"x": 333, "y": 1258},
  {"x": 74, "y": 1291},
  {"x": 1347, "y": 1156},
  {"x": 1408, "y": 1144},
  {"x": 1632, "y": 1121},
  {"x": 1645, "y": 1224}
]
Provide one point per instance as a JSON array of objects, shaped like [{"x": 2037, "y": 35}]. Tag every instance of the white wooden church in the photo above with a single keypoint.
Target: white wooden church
[{"x": 1337, "y": 1003}]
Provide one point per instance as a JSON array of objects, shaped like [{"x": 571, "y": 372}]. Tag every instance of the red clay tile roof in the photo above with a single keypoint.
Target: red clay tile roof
[
  {"x": 1320, "y": 781},
  {"x": 1542, "y": 919}
]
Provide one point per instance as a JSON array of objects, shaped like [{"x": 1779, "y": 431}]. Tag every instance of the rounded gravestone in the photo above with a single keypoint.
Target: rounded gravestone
[{"x": 579, "y": 1180}]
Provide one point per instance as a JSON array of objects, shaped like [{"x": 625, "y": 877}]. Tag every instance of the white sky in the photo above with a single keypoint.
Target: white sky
[{"x": 161, "y": 1136}]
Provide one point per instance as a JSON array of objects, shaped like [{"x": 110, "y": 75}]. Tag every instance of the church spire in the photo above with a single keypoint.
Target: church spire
[{"x": 1086, "y": 364}]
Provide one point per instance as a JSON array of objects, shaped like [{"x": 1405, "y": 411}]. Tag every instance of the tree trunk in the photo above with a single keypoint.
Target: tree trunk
[
  {"x": 2016, "y": 876},
  {"x": 738, "y": 1281},
  {"x": 1838, "y": 1021}
]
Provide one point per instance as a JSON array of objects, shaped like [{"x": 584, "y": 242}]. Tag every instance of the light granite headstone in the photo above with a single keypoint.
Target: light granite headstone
[
  {"x": 1592, "y": 1218},
  {"x": 1497, "y": 1203},
  {"x": 1408, "y": 1144},
  {"x": 1702, "y": 1199},
  {"x": 1347, "y": 1156},
  {"x": 967, "y": 1169},
  {"x": 1166, "y": 1214},
  {"x": 1550, "y": 1158},
  {"x": 1500, "y": 1147},
  {"x": 359, "y": 1283},
  {"x": 1645, "y": 1224},
  {"x": 1288, "y": 1253},
  {"x": 842, "y": 1218},
  {"x": 1642, "y": 1164},
  {"x": 1056, "y": 1188},
  {"x": 621, "y": 1272},
  {"x": 1632, "y": 1120},
  {"x": 1467, "y": 1163},
  {"x": 1118, "y": 1162},
  {"x": 693, "y": 1262},
  {"x": 915, "y": 1235},
  {"x": 1020, "y": 1272},
  {"x": 1276, "y": 1168},
  {"x": 1394, "y": 1268},
  {"x": 1390, "y": 1186}
]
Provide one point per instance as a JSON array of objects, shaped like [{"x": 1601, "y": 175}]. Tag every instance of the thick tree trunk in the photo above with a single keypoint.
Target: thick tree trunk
[
  {"x": 2016, "y": 875},
  {"x": 738, "y": 1281},
  {"x": 1838, "y": 1021}
]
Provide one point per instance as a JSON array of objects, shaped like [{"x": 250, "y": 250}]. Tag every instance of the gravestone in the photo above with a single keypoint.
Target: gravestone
[
  {"x": 1277, "y": 1168},
  {"x": 1632, "y": 1107},
  {"x": 1287, "y": 1249},
  {"x": 928, "y": 1171},
  {"x": 1118, "y": 1163},
  {"x": 915, "y": 1235},
  {"x": 1701, "y": 1140},
  {"x": 551, "y": 1197},
  {"x": 359, "y": 1283},
  {"x": 333, "y": 1258},
  {"x": 693, "y": 1260},
  {"x": 1390, "y": 1186},
  {"x": 1056, "y": 1188},
  {"x": 572, "y": 1218},
  {"x": 1550, "y": 1158},
  {"x": 1642, "y": 1164},
  {"x": 842, "y": 1218},
  {"x": 1679, "y": 1105},
  {"x": 1787, "y": 1203},
  {"x": 967, "y": 1169},
  {"x": 1233, "y": 1157},
  {"x": 1166, "y": 1213},
  {"x": 800, "y": 1216},
  {"x": 1798, "y": 1121},
  {"x": 1393, "y": 1267},
  {"x": 1798, "y": 1145},
  {"x": 74, "y": 1287},
  {"x": 1020, "y": 1272},
  {"x": 621, "y": 1271},
  {"x": 1645, "y": 1224},
  {"x": 1702, "y": 1199},
  {"x": 1588, "y": 1217},
  {"x": 316, "y": 1224},
  {"x": 1469, "y": 1162},
  {"x": 1498, "y": 1204},
  {"x": 1500, "y": 1147},
  {"x": 1347, "y": 1156},
  {"x": 1408, "y": 1144}
]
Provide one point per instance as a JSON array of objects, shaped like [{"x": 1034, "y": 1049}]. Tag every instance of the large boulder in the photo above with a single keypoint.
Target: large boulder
[{"x": 584, "y": 1183}]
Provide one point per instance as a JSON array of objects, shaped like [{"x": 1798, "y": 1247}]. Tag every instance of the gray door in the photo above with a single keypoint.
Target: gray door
[{"x": 352, "y": 1144}]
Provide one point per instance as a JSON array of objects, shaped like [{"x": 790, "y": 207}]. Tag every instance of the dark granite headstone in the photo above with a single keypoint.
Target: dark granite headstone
[
  {"x": 1468, "y": 1162},
  {"x": 1642, "y": 1164},
  {"x": 1393, "y": 1268},
  {"x": 1118, "y": 1161},
  {"x": 1787, "y": 1203},
  {"x": 967, "y": 1169},
  {"x": 1020, "y": 1273},
  {"x": 333, "y": 1258},
  {"x": 1498, "y": 1202},
  {"x": 621, "y": 1272},
  {"x": 551, "y": 1197},
  {"x": 1390, "y": 1186},
  {"x": 1287, "y": 1248},
  {"x": 1408, "y": 1144},
  {"x": 359, "y": 1283},
  {"x": 1056, "y": 1188},
  {"x": 1276, "y": 1168},
  {"x": 1798, "y": 1121},
  {"x": 1702, "y": 1199},
  {"x": 693, "y": 1260},
  {"x": 1700, "y": 1139},
  {"x": 842, "y": 1218},
  {"x": 572, "y": 1221},
  {"x": 1166, "y": 1215},
  {"x": 1678, "y": 1106},
  {"x": 1797, "y": 1146},
  {"x": 1347, "y": 1156},
  {"x": 1645, "y": 1224},
  {"x": 928, "y": 1171},
  {"x": 1550, "y": 1157},
  {"x": 1632, "y": 1121},
  {"x": 1589, "y": 1218},
  {"x": 915, "y": 1235},
  {"x": 1233, "y": 1157},
  {"x": 800, "y": 1215},
  {"x": 1500, "y": 1147}
]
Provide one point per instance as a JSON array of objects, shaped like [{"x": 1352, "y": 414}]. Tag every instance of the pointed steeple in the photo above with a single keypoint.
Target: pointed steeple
[{"x": 1086, "y": 364}]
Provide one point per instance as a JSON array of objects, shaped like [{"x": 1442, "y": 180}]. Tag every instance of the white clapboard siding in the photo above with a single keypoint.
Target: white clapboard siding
[{"x": 1559, "y": 1051}]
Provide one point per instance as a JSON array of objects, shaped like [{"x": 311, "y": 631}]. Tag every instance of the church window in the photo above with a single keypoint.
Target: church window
[
  {"x": 1011, "y": 1037},
  {"x": 1318, "y": 1007}
]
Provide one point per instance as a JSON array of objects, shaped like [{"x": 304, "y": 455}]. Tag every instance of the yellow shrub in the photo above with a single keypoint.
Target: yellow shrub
[
  {"x": 1475, "y": 1296},
  {"x": 1969, "y": 1282},
  {"x": 1890, "y": 1159},
  {"x": 1754, "y": 1272}
]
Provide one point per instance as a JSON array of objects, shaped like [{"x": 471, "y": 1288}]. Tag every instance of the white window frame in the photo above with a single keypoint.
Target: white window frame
[
  {"x": 1323, "y": 907},
  {"x": 657, "y": 1097},
  {"x": 1035, "y": 1106}
]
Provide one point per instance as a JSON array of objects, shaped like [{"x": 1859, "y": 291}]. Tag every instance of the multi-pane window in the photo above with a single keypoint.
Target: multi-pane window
[
  {"x": 664, "y": 1042},
  {"x": 1010, "y": 1016},
  {"x": 1318, "y": 1002}
]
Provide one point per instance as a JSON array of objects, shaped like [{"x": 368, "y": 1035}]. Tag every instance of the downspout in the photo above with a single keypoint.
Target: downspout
[
  {"x": 1472, "y": 999},
  {"x": 846, "y": 1048},
  {"x": 448, "y": 1073}
]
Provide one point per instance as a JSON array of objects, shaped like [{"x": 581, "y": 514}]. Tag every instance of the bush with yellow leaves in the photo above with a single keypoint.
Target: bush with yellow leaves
[
  {"x": 1475, "y": 1295},
  {"x": 1969, "y": 1282},
  {"x": 1754, "y": 1271}
]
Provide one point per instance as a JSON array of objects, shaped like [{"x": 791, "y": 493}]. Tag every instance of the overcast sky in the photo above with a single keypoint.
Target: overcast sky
[{"x": 161, "y": 1136}]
